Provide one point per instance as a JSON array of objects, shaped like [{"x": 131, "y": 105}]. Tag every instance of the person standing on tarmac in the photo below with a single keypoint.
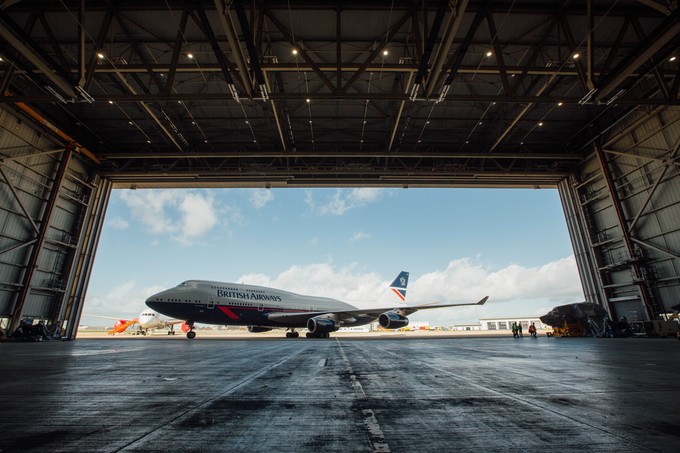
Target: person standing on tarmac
[
  {"x": 514, "y": 330},
  {"x": 532, "y": 330},
  {"x": 519, "y": 330}
]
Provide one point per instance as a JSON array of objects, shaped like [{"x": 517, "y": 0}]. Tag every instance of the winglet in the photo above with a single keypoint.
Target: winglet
[
  {"x": 481, "y": 302},
  {"x": 399, "y": 285}
]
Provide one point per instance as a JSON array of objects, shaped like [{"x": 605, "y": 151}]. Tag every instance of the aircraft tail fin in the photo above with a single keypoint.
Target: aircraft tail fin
[{"x": 399, "y": 285}]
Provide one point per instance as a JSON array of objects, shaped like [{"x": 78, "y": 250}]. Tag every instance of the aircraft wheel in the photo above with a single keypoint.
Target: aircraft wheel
[
  {"x": 310, "y": 335},
  {"x": 296, "y": 334},
  {"x": 191, "y": 335},
  {"x": 289, "y": 335}
]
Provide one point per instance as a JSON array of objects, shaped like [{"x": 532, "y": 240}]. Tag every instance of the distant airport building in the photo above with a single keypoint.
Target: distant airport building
[
  {"x": 464, "y": 327},
  {"x": 506, "y": 323}
]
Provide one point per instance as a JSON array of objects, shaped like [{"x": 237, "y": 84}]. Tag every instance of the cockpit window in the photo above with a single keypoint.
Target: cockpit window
[{"x": 183, "y": 285}]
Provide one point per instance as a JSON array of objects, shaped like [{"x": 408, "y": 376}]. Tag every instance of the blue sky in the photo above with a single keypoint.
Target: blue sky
[{"x": 458, "y": 244}]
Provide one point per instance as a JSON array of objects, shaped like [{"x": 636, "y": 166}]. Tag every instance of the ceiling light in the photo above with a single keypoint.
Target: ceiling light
[
  {"x": 386, "y": 52},
  {"x": 308, "y": 100},
  {"x": 148, "y": 141},
  {"x": 559, "y": 104},
  {"x": 205, "y": 141},
  {"x": 110, "y": 102},
  {"x": 295, "y": 51},
  {"x": 1, "y": 59},
  {"x": 670, "y": 59},
  {"x": 100, "y": 56},
  {"x": 130, "y": 123},
  {"x": 247, "y": 122},
  {"x": 540, "y": 124},
  {"x": 190, "y": 56},
  {"x": 489, "y": 53},
  {"x": 576, "y": 55}
]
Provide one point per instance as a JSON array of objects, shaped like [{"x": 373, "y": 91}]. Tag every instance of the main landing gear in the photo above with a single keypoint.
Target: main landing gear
[
  {"x": 292, "y": 334},
  {"x": 189, "y": 329}
]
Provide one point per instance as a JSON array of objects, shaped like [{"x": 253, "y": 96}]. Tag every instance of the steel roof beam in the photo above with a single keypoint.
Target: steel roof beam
[
  {"x": 176, "y": 51},
  {"x": 313, "y": 66},
  {"x": 377, "y": 51},
  {"x": 337, "y": 154},
  {"x": 224, "y": 13},
  {"x": 22, "y": 42},
  {"x": 220, "y": 97},
  {"x": 667, "y": 31}
]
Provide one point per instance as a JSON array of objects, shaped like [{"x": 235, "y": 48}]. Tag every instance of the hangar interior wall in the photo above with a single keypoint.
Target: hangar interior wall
[
  {"x": 48, "y": 200},
  {"x": 622, "y": 207}
]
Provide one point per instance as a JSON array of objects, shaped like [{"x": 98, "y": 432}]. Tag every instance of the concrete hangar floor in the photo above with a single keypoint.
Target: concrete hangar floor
[{"x": 341, "y": 395}]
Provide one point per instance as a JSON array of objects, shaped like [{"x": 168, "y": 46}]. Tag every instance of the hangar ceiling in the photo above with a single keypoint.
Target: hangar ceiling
[{"x": 340, "y": 93}]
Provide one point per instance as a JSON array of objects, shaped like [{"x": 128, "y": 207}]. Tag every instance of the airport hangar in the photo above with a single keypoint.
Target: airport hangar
[{"x": 573, "y": 95}]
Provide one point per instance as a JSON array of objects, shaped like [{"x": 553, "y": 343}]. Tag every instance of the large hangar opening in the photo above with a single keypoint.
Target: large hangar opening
[
  {"x": 459, "y": 245},
  {"x": 398, "y": 94}
]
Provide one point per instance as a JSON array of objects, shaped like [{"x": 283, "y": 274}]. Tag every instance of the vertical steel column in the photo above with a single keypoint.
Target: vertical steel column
[
  {"x": 37, "y": 248},
  {"x": 621, "y": 218},
  {"x": 85, "y": 255}
]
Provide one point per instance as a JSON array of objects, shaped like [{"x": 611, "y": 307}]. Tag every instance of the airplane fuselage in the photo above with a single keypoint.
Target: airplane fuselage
[{"x": 211, "y": 302}]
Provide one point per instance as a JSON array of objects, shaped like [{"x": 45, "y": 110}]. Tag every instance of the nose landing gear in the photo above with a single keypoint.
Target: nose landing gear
[{"x": 292, "y": 334}]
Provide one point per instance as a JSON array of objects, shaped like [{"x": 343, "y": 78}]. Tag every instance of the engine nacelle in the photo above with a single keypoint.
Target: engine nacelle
[
  {"x": 120, "y": 323},
  {"x": 392, "y": 320},
  {"x": 258, "y": 329},
  {"x": 321, "y": 325}
]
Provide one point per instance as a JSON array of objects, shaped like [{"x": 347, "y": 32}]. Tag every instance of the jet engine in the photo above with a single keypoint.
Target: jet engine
[
  {"x": 258, "y": 329},
  {"x": 120, "y": 323},
  {"x": 392, "y": 320},
  {"x": 321, "y": 325}
]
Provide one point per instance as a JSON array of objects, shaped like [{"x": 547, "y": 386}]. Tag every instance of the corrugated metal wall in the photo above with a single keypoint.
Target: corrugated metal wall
[
  {"x": 46, "y": 194},
  {"x": 626, "y": 196}
]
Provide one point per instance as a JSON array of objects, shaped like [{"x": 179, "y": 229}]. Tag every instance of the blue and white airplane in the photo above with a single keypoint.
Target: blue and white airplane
[{"x": 263, "y": 309}]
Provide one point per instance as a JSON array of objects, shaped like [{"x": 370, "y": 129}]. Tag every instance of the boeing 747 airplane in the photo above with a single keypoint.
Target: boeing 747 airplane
[{"x": 263, "y": 309}]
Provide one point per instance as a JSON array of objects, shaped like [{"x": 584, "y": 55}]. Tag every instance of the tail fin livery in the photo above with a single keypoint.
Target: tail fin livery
[{"x": 399, "y": 285}]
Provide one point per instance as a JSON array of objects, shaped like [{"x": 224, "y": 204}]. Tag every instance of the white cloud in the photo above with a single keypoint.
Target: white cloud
[
  {"x": 512, "y": 291},
  {"x": 198, "y": 216},
  {"x": 119, "y": 223},
  {"x": 124, "y": 301},
  {"x": 185, "y": 215},
  {"x": 342, "y": 200},
  {"x": 359, "y": 236},
  {"x": 260, "y": 197}
]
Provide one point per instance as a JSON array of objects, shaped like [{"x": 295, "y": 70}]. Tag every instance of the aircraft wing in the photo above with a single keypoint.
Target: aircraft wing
[
  {"x": 301, "y": 317},
  {"x": 123, "y": 327}
]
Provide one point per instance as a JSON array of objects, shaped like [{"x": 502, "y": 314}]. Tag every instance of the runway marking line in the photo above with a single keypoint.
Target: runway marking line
[{"x": 375, "y": 432}]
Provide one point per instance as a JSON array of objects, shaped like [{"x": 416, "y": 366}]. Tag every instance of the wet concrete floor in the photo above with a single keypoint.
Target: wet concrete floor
[{"x": 341, "y": 395}]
